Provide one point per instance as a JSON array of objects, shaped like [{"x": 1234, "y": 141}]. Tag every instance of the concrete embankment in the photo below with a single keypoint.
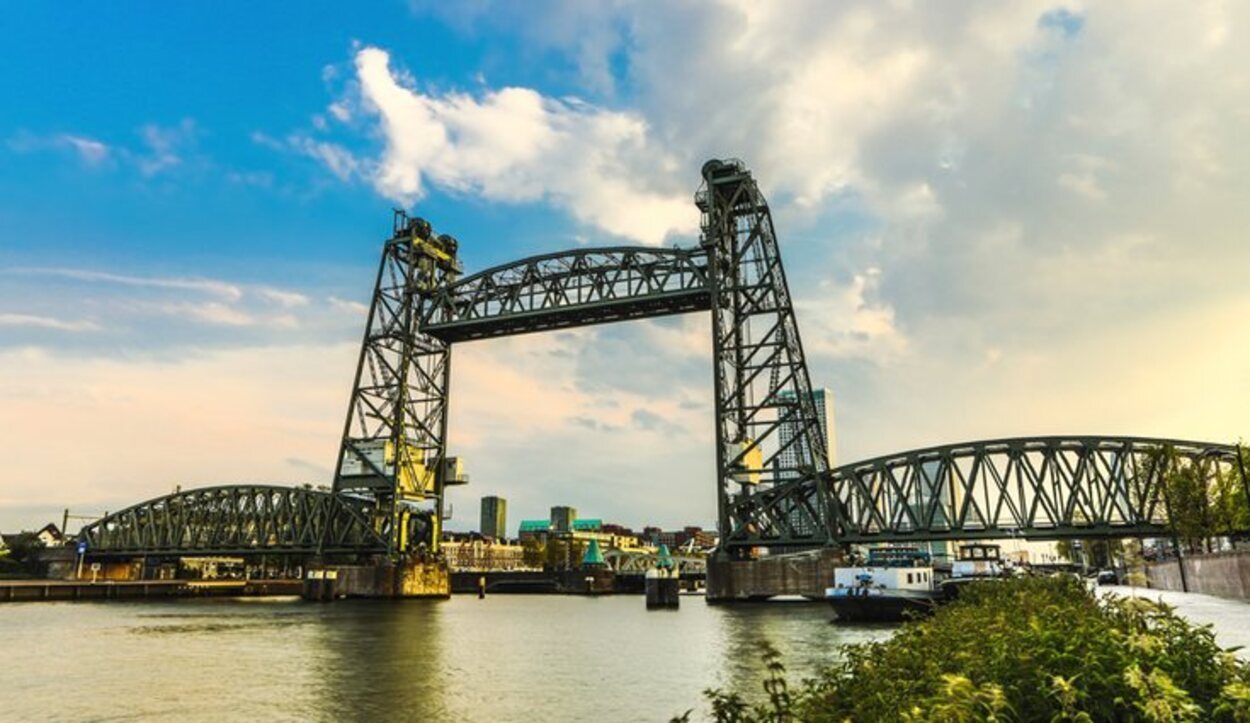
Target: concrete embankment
[
  {"x": 37, "y": 590},
  {"x": 1230, "y": 619},
  {"x": 1225, "y": 574}
]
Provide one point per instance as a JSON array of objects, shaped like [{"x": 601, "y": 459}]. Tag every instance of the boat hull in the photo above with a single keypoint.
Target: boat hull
[{"x": 875, "y": 605}]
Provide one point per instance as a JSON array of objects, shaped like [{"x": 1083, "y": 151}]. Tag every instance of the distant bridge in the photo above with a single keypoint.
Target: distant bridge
[
  {"x": 237, "y": 520},
  {"x": 1029, "y": 488}
]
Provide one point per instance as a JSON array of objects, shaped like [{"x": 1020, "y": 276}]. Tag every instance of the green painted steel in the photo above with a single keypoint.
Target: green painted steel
[
  {"x": 770, "y": 492},
  {"x": 238, "y": 520}
]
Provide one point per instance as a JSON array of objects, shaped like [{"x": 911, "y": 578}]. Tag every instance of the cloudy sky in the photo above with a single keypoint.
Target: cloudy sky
[{"x": 998, "y": 220}]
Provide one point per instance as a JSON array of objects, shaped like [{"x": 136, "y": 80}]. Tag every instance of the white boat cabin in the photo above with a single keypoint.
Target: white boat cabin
[
  {"x": 977, "y": 560},
  {"x": 889, "y": 568}
]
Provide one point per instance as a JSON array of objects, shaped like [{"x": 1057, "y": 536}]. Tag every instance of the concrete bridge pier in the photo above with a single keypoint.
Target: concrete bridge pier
[
  {"x": 805, "y": 573},
  {"x": 412, "y": 577}
]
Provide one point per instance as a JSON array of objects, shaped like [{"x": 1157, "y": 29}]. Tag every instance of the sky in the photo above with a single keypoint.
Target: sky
[{"x": 997, "y": 220}]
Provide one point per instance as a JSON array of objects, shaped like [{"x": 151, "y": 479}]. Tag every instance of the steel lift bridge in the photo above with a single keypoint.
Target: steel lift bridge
[{"x": 394, "y": 470}]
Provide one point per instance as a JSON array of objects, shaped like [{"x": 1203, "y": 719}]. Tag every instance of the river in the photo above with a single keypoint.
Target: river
[{"x": 503, "y": 658}]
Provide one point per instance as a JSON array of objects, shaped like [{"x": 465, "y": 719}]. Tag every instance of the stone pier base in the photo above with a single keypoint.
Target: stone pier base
[
  {"x": 800, "y": 573},
  {"x": 405, "y": 579}
]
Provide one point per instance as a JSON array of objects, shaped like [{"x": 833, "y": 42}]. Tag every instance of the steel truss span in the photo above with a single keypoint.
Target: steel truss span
[
  {"x": 773, "y": 478},
  {"x": 1040, "y": 488},
  {"x": 238, "y": 520},
  {"x": 572, "y": 288}
]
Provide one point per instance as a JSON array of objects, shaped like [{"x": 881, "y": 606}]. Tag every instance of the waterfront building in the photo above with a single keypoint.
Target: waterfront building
[
  {"x": 494, "y": 522},
  {"x": 590, "y": 524},
  {"x": 608, "y": 536},
  {"x": 532, "y": 529},
  {"x": 49, "y": 535},
  {"x": 562, "y": 518},
  {"x": 474, "y": 552}
]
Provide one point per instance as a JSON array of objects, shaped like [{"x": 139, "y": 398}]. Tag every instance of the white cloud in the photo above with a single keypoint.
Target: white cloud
[
  {"x": 224, "y": 290},
  {"x": 849, "y": 320},
  {"x": 515, "y": 145},
  {"x": 345, "y": 305},
  {"x": 211, "y": 312},
  {"x": 165, "y": 146},
  {"x": 91, "y": 151},
  {"x": 286, "y": 299},
  {"x": 46, "y": 322},
  {"x": 1026, "y": 176},
  {"x": 341, "y": 162}
]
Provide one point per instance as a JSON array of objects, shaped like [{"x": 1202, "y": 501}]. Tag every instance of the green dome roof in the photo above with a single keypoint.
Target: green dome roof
[
  {"x": 593, "y": 556},
  {"x": 663, "y": 558}
]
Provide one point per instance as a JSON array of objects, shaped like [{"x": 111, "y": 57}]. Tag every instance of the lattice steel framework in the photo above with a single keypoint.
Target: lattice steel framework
[
  {"x": 238, "y": 520},
  {"x": 1046, "y": 487},
  {"x": 570, "y": 288},
  {"x": 760, "y": 375},
  {"x": 393, "y": 466},
  {"x": 394, "y": 448}
]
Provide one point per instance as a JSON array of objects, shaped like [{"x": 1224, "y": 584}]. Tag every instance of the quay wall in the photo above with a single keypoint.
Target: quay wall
[
  {"x": 802, "y": 573},
  {"x": 1222, "y": 574},
  {"x": 40, "y": 590}
]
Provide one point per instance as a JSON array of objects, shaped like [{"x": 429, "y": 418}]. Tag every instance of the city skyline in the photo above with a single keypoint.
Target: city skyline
[{"x": 979, "y": 244}]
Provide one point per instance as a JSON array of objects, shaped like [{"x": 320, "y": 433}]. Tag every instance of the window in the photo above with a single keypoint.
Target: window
[{"x": 909, "y": 578}]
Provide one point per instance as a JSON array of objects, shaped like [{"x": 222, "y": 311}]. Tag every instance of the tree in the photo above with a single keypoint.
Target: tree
[
  {"x": 23, "y": 552},
  {"x": 1186, "y": 498},
  {"x": 557, "y": 554},
  {"x": 1229, "y": 514},
  {"x": 533, "y": 552}
]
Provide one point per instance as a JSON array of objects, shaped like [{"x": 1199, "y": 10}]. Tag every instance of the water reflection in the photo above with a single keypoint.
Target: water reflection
[
  {"x": 382, "y": 660},
  {"x": 802, "y": 632},
  {"x": 503, "y": 658}
]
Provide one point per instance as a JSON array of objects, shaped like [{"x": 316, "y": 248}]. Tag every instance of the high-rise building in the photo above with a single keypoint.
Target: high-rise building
[
  {"x": 793, "y": 454},
  {"x": 562, "y": 518},
  {"x": 495, "y": 517}
]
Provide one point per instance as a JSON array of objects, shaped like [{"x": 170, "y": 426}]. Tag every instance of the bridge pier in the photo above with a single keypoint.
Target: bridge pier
[
  {"x": 805, "y": 573},
  {"x": 407, "y": 578}
]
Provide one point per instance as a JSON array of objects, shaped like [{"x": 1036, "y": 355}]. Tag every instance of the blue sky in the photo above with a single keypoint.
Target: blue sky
[
  {"x": 212, "y": 81},
  {"x": 996, "y": 220}
]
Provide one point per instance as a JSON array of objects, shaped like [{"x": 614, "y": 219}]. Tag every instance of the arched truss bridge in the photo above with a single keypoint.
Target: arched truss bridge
[
  {"x": 1031, "y": 488},
  {"x": 237, "y": 520}
]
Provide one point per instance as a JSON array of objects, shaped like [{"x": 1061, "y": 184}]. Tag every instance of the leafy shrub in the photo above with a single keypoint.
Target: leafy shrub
[{"x": 1027, "y": 649}]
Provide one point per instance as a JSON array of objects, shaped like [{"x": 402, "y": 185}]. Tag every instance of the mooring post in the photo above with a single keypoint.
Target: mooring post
[{"x": 1241, "y": 465}]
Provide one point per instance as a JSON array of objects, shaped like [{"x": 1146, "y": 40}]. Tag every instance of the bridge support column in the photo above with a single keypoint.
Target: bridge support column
[
  {"x": 409, "y": 578},
  {"x": 801, "y": 573}
]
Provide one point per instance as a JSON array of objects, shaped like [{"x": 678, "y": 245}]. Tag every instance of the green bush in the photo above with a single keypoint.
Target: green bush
[{"x": 1028, "y": 649}]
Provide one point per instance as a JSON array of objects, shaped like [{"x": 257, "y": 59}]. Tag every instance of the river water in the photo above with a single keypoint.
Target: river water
[
  {"x": 499, "y": 659},
  {"x": 503, "y": 658}
]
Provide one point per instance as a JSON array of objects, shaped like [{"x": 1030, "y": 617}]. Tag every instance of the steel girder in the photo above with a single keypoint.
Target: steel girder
[
  {"x": 774, "y": 484},
  {"x": 238, "y": 520},
  {"x": 394, "y": 438},
  {"x": 570, "y": 288},
  {"x": 1038, "y": 488},
  {"x": 768, "y": 438}
]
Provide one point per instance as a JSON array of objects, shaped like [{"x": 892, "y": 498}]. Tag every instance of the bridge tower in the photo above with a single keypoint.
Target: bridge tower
[
  {"x": 760, "y": 376},
  {"x": 394, "y": 451}
]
